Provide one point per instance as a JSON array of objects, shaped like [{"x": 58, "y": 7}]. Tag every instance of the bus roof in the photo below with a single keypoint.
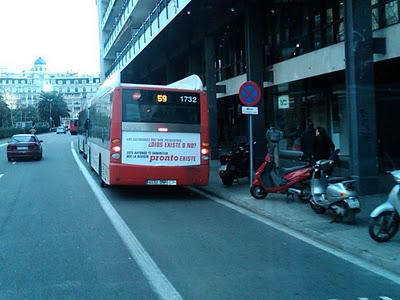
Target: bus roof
[{"x": 192, "y": 82}]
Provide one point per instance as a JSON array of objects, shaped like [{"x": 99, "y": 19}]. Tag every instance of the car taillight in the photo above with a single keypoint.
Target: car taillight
[
  {"x": 33, "y": 147},
  {"x": 10, "y": 147},
  {"x": 204, "y": 151}
]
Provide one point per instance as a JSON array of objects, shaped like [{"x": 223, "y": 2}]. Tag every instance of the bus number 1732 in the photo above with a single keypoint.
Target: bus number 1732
[{"x": 188, "y": 99}]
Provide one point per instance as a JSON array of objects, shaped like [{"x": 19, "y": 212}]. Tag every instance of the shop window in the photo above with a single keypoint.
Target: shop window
[{"x": 335, "y": 116}]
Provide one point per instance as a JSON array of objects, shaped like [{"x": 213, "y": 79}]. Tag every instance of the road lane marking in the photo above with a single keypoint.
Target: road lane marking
[
  {"x": 303, "y": 237},
  {"x": 14, "y": 162},
  {"x": 157, "y": 280},
  {"x": 1, "y": 175}
]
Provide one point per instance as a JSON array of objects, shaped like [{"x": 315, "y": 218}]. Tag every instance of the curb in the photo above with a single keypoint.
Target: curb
[{"x": 356, "y": 252}]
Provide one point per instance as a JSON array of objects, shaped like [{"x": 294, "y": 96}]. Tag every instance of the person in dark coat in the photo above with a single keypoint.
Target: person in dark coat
[
  {"x": 307, "y": 141},
  {"x": 323, "y": 145}
]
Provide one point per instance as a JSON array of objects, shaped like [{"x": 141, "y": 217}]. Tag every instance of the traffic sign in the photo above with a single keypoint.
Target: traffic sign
[
  {"x": 248, "y": 110},
  {"x": 250, "y": 93},
  {"x": 283, "y": 102}
]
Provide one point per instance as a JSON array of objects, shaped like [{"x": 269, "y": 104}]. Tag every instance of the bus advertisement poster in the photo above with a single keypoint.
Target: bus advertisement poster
[{"x": 161, "y": 148}]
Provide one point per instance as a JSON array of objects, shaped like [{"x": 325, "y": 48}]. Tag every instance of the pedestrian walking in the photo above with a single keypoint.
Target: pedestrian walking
[
  {"x": 323, "y": 145},
  {"x": 307, "y": 141},
  {"x": 273, "y": 136}
]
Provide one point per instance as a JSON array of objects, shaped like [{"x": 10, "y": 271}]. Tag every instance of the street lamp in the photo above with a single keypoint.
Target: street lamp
[{"x": 47, "y": 88}]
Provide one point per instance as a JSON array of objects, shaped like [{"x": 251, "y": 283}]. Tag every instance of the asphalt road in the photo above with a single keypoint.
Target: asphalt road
[{"x": 57, "y": 242}]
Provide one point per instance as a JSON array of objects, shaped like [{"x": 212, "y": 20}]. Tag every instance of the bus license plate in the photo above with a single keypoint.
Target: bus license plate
[{"x": 161, "y": 182}]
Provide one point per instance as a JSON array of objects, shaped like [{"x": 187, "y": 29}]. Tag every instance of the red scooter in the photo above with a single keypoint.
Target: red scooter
[{"x": 291, "y": 181}]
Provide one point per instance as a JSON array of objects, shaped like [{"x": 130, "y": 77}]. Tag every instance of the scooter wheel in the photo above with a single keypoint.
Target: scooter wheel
[
  {"x": 258, "y": 192},
  {"x": 227, "y": 180},
  {"x": 349, "y": 216},
  {"x": 317, "y": 209},
  {"x": 383, "y": 227}
]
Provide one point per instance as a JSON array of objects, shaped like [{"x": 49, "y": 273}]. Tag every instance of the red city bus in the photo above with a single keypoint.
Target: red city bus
[
  {"x": 150, "y": 135},
  {"x": 73, "y": 126}
]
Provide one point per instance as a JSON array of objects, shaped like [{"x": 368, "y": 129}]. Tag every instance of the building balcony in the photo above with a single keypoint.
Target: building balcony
[
  {"x": 130, "y": 15},
  {"x": 163, "y": 13}
]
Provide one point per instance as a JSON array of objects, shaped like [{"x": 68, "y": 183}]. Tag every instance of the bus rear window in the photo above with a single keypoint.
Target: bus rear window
[{"x": 160, "y": 107}]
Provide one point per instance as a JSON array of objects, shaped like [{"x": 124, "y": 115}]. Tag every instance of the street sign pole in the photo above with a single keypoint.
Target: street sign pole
[
  {"x": 250, "y": 95},
  {"x": 251, "y": 147}
]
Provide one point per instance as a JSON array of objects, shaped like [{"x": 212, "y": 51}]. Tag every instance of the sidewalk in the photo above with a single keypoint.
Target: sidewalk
[{"x": 353, "y": 239}]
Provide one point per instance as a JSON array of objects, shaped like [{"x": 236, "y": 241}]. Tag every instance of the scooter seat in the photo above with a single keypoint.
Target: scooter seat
[
  {"x": 287, "y": 170},
  {"x": 339, "y": 179}
]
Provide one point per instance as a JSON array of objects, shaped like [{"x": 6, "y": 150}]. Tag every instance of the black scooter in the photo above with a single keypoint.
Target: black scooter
[{"x": 235, "y": 165}]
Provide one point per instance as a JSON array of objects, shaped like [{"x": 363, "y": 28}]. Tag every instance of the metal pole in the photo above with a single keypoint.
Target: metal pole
[{"x": 251, "y": 147}]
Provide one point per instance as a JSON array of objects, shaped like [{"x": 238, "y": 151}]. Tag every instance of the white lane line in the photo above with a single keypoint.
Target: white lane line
[
  {"x": 157, "y": 280},
  {"x": 1, "y": 175},
  {"x": 14, "y": 162},
  {"x": 2, "y": 145},
  {"x": 302, "y": 237}
]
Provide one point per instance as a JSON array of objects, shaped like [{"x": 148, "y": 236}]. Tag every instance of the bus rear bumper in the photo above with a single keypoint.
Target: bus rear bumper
[{"x": 121, "y": 174}]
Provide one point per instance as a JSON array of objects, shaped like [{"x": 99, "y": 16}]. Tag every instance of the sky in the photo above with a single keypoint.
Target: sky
[{"x": 63, "y": 32}]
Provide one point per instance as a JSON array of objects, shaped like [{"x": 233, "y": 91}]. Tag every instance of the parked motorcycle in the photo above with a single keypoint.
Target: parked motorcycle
[
  {"x": 292, "y": 181},
  {"x": 337, "y": 194},
  {"x": 385, "y": 218},
  {"x": 235, "y": 164}
]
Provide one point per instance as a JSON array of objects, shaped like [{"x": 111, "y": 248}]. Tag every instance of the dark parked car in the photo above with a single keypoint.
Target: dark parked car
[{"x": 24, "y": 146}]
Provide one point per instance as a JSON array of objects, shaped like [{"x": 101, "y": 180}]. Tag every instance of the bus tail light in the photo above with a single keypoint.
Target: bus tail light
[
  {"x": 116, "y": 149},
  {"x": 116, "y": 156},
  {"x": 204, "y": 151}
]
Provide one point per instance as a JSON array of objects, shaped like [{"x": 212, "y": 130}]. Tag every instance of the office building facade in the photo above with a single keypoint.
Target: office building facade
[{"x": 332, "y": 63}]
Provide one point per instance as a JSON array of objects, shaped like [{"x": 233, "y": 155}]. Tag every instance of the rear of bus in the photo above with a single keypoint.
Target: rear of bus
[{"x": 159, "y": 137}]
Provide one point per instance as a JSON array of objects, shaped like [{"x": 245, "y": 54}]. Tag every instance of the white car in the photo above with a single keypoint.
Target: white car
[{"x": 60, "y": 129}]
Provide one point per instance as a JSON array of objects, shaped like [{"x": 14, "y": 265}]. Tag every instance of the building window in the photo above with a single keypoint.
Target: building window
[
  {"x": 392, "y": 13},
  {"x": 75, "y": 81},
  {"x": 68, "y": 82},
  {"x": 83, "y": 81},
  {"x": 60, "y": 82},
  {"x": 76, "y": 90}
]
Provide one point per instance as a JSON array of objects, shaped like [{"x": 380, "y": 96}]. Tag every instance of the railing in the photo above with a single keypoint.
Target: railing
[
  {"x": 152, "y": 17},
  {"x": 107, "y": 13}
]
